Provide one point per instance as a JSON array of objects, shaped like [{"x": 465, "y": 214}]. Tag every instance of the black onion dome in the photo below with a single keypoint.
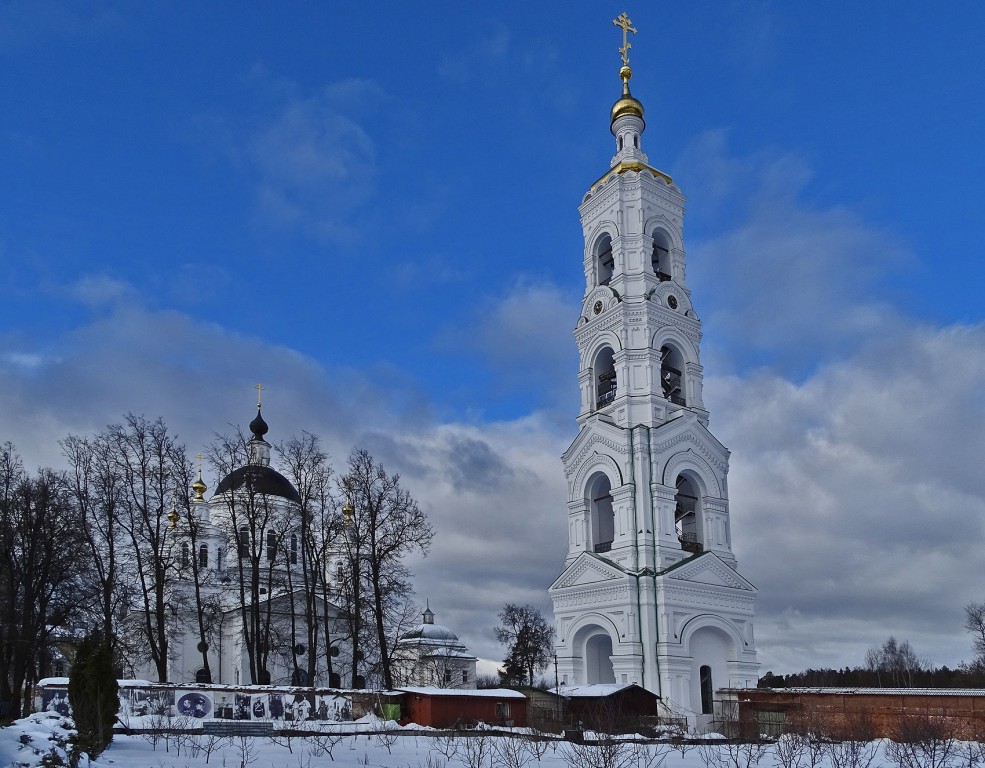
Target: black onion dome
[
  {"x": 259, "y": 479},
  {"x": 258, "y": 426}
]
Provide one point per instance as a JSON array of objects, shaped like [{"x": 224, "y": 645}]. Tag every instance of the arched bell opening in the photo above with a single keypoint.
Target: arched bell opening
[
  {"x": 604, "y": 260},
  {"x": 672, "y": 374},
  {"x": 599, "y": 497},
  {"x": 660, "y": 256},
  {"x": 592, "y": 646},
  {"x": 605, "y": 377},
  {"x": 686, "y": 515},
  {"x": 598, "y": 659}
]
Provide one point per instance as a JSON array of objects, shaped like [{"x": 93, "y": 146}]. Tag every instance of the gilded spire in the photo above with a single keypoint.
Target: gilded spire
[
  {"x": 627, "y": 105},
  {"x": 622, "y": 21}
]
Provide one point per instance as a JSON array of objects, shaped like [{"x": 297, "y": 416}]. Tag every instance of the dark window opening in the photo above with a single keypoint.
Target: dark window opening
[
  {"x": 660, "y": 258},
  {"x": 686, "y": 516},
  {"x": 184, "y": 556},
  {"x": 671, "y": 378},
  {"x": 605, "y": 261},
  {"x": 603, "y": 515},
  {"x": 271, "y": 546},
  {"x": 203, "y": 556},
  {"x": 244, "y": 543},
  {"x": 707, "y": 692},
  {"x": 605, "y": 375}
]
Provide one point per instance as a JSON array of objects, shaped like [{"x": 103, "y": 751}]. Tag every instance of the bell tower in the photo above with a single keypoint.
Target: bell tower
[{"x": 650, "y": 592}]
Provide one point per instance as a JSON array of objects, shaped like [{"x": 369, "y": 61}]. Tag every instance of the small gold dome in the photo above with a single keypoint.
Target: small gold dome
[
  {"x": 200, "y": 488},
  {"x": 627, "y": 104}
]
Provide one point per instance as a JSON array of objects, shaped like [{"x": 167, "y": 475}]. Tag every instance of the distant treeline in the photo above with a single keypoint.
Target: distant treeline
[{"x": 964, "y": 676}]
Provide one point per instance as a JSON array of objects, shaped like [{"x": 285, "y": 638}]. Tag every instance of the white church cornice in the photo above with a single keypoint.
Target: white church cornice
[
  {"x": 588, "y": 569},
  {"x": 706, "y": 569},
  {"x": 689, "y": 431}
]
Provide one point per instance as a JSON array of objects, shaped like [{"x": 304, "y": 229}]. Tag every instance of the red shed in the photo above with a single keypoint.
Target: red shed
[{"x": 447, "y": 707}]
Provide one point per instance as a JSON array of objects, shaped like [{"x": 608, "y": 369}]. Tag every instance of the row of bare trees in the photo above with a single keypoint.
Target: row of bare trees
[{"x": 109, "y": 546}]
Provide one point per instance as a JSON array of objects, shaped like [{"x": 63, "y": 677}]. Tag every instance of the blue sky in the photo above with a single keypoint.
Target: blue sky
[{"x": 373, "y": 210}]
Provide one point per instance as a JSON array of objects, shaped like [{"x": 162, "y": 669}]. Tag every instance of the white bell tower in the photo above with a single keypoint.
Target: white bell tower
[{"x": 650, "y": 592}]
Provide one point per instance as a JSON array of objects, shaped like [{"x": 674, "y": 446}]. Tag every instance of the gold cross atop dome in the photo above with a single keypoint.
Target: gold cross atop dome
[
  {"x": 259, "y": 388},
  {"x": 622, "y": 21}
]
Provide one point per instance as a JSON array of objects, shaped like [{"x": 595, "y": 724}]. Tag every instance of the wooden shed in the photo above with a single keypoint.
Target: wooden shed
[
  {"x": 453, "y": 707},
  {"x": 609, "y": 707}
]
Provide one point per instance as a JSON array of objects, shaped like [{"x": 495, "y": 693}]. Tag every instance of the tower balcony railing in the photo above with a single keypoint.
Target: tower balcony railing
[
  {"x": 606, "y": 397},
  {"x": 690, "y": 543},
  {"x": 604, "y": 546}
]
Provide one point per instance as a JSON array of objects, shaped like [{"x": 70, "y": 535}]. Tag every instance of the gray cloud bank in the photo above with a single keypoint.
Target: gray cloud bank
[{"x": 856, "y": 432}]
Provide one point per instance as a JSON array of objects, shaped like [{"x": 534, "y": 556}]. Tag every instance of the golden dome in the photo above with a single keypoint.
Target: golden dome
[
  {"x": 200, "y": 488},
  {"x": 627, "y": 104}
]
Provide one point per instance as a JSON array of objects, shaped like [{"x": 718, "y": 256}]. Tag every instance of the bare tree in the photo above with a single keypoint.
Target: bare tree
[
  {"x": 42, "y": 586},
  {"x": 203, "y": 613},
  {"x": 530, "y": 639},
  {"x": 96, "y": 485},
  {"x": 975, "y": 623},
  {"x": 150, "y": 461},
  {"x": 894, "y": 663},
  {"x": 923, "y": 741},
  {"x": 318, "y": 527},
  {"x": 386, "y": 525}
]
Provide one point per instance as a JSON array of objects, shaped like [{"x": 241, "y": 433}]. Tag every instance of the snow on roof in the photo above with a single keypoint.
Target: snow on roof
[
  {"x": 875, "y": 691},
  {"x": 593, "y": 691},
  {"x": 492, "y": 693},
  {"x": 449, "y": 653},
  {"x": 52, "y": 681}
]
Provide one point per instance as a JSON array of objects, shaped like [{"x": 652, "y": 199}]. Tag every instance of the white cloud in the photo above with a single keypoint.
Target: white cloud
[
  {"x": 101, "y": 290},
  {"x": 316, "y": 161},
  {"x": 857, "y": 498}
]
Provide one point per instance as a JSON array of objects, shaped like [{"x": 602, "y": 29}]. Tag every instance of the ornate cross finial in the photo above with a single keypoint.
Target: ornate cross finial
[
  {"x": 622, "y": 21},
  {"x": 259, "y": 388}
]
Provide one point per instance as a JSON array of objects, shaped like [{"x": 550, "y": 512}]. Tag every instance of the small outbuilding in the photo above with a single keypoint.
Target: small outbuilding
[
  {"x": 609, "y": 707},
  {"x": 450, "y": 707}
]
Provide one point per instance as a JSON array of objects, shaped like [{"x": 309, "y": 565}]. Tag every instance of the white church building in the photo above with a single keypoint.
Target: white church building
[
  {"x": 650, "y": 592},
  {"x": 244, "y": 557}
]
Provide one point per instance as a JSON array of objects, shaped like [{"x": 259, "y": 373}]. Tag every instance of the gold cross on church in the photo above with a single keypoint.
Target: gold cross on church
[
  {"x": 622, "y": 21},
  {"x": 259, "y": 388}
]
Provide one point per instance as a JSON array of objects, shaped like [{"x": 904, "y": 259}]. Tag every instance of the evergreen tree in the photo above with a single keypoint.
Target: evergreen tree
[{"x": 94, "y": 695}]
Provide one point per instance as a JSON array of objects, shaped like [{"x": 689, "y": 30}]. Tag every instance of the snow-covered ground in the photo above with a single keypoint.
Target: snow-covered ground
[{"x": 25, "y": 743}]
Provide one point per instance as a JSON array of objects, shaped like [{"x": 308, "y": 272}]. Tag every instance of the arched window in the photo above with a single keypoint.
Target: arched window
[
  {"x": 660, "y": 256},
  {"x": 184, "y": 554},
  {"x": 603, "y": 517},
  {"x": 604, "y": 262},
  {"x": 686, "y": 515},
  {"x": 605, "y": 377},
  {"x": 671, "y": 377},
  {"x": 294, "y": 549},
  {"x": 271, "y": 546},
  {"x": 244, "y": 542},
  {"x": 203, "y": 556},
  {"x": 707, "y": 691},
  {"x": 339, "y": 574}
]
